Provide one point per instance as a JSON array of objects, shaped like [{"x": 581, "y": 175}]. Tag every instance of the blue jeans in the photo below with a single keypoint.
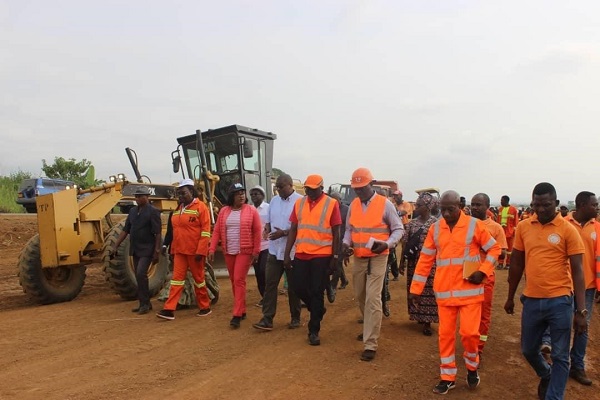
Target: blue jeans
[
  {"x": 555, "y": 313},
  {"x": 579, "y": 341}
]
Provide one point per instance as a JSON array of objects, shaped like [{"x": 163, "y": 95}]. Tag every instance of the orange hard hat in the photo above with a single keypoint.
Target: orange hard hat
[{"x": 361, "y": 177}]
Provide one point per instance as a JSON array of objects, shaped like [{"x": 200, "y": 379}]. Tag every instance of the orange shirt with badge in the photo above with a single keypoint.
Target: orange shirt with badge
[
  {"x": 588, "y": 233},
  {"x": 547, "y": 249}
]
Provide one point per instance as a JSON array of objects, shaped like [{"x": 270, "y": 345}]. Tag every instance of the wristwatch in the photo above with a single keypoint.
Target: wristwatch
[
  {"x": 584, "y": 313},
  {"x": 336, "y": 256}
]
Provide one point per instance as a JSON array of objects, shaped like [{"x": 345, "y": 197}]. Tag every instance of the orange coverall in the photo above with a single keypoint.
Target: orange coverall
[
  {"x": 455, "y": 296},
  {"x": 508, "y": 217}
]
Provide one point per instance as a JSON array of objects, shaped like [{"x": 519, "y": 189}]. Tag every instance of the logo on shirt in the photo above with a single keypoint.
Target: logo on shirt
[
  {"x": 593, "y": 235},
  {"x": 554, "y": 238}
]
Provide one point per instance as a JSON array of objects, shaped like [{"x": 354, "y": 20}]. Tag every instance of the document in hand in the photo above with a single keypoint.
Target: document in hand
[{"x": 469, "y": 267}]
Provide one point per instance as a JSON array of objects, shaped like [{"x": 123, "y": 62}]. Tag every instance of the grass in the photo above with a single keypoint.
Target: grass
[{"x": 9, "y": 186}]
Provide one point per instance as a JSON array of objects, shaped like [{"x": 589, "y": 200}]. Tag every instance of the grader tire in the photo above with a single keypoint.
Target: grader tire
[
  {"x": 119, "y": 271},
  {"x": 47, "y": 285}
]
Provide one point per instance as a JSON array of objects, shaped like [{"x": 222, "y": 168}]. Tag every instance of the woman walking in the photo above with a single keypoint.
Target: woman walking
[
  {"x": 239, "y": 230},
  {"x": 416, "y": 232}
]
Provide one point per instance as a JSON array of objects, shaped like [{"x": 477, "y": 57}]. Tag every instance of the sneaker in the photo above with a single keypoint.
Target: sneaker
[
  {"x": 313, "y": 339},
  {"x": 543, "y": 388},
  {"x": 235, "y": 322},
  {"x": 331, "y": 295},
  {"x": 263, "y": 325},
  {"x": 145, "y": 309},
  {"x": 443, "y": 387},
  {"x": 368, "y": 355},
  {"x": 295, "y": 323},
  {"x": 137, "y": 309},
  {"x": 204, "y": 312},
  {"x": 243, "y": 316},
  {"x": 472, "y": 379},
  {"x": 386, "y": 310},
  {"x": 580, "y": 376},
  {"x": 166, "y": 314}
]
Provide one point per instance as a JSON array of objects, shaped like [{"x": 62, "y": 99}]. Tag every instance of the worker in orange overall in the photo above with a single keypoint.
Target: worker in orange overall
[
  {"x": 508, "y": 217},
  {"x": 189, "y": 248},
  {"x": 455, "y": 243},
  {"x": 480, "y": 205}
]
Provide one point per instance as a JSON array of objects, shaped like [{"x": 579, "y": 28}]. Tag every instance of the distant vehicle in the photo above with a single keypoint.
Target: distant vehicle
[
  {"x": 385, "y": 188},
  {"x": 33, "y": 187}
]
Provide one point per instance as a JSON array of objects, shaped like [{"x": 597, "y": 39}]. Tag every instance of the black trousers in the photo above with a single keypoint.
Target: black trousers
[
  {"x": 259, "y": 270},
  {"x": 142, "y": 264},
  {"x": 339, "y": 274},
  {"x": 310, "y": 279}
]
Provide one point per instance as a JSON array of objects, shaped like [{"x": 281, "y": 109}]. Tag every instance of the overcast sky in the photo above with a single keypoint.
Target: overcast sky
[{"x": 491, "y": 96}]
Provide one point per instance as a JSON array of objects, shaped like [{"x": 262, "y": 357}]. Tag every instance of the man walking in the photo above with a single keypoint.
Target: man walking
[
  {"x": 277, "y": 228},
  {"x": 545, "y": 245},
  {"x": 339, "y": 274},
  {"x": 455, "y": 243},
  {"x": 144, "y": 225},
  {"x": 372, "y": 229},
  {"x": 315, "y": 232},
  {"x": 508, "y": 217},
  {"x": 480, "y": 205},
  {"x": 257, "y": 195}
]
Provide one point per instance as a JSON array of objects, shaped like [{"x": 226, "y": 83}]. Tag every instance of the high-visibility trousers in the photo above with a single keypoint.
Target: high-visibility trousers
[
  {"x": 470, "y": 317},
  {"x": 181, "y": 263},
  {"x": 238, "y": 266},
  {"x": 486, "y": 310}
]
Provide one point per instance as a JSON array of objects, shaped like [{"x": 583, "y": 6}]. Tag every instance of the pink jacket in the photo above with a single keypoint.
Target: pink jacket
[{"x": 250, "y": 230}]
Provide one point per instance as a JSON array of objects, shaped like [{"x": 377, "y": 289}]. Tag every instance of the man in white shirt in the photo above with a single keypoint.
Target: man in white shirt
[
  {"x": 257, "y": 195},
  {"x": 277, "y": 228}
]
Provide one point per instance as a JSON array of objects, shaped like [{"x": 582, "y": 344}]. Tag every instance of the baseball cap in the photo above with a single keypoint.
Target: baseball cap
[
  {"x": 259, "y": 188},
  {"x": 397, "y": 192},
  {"x": 361, "y": 178},
  {"x": 313, "y": 181},
  {"x": 186, "y": 182},
  {"x": 236, "y": 187}
]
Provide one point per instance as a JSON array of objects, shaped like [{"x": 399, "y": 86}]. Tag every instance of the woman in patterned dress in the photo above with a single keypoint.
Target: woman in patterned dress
[{"x": 416, "y": 232}]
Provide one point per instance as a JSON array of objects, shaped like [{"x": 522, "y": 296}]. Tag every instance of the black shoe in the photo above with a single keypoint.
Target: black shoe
[
  {"x": 443, "y": 387},
  {"x": 580, "y": 376},
  {"x": 243, "y": 316},
  {"x": 331, "y": 295},
  {"x": 313, "y": 339},
  {"x": 137, "y": 309},
  {"x": 204, "y": 312},
  {"x": 395, "y": 278},
  {"x": 343, "y": 285},
  {"x": 263, "y": 325},
  {"x": 543, "y": 388},
  {"x": 145, "y": 309},
  {"x": 235, "y": 322},
  {"x": 386, "y": 310},
  {"x": 294, "y": 323},
  {"x": 166, "y": 314},
  {"x": 368, "y": 355},
  {"x": 472, "y": 379},
  {"x": 359, "y": 337}
]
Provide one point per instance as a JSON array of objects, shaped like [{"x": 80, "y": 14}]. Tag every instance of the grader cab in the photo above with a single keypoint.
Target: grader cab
[{"x": 76, "y": 233}]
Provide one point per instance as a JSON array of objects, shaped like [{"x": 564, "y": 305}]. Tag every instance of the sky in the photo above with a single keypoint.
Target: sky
[{"x": 474, "y": 96}]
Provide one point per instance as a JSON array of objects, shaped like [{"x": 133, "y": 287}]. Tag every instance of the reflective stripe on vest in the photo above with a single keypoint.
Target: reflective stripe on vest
[
  {"x": 491, "y": 259},
  {"x": 489, "y": 244},
  {"x": 444, "y": 262},
  {"x": 368, "y": 224},
  {"x": 504, "y": 216},
  {"x": 314, "y": 238},
  {"x": 419, "y": 278},
  {"x": 459, "y": 293},
  {"x": 428, "y": 251}
]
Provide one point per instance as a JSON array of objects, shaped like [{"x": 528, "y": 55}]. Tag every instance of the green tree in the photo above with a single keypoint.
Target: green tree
[
  {"x": 80, "y": 172},
  {"x": 276, "y": 172}
]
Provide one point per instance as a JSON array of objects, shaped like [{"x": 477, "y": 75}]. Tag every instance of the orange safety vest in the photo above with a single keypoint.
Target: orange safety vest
[
  {"x": 449, "y": 250},
  {"x": 315, "y": 235},
  {"x": 597, "y": 256},
  {"x": 368, "y": 224}
]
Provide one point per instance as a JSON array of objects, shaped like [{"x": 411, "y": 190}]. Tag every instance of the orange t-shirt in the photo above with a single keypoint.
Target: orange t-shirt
[
  {"x": 497, "y": 232},
  {"x": 547, "y": 249},
  {"x": 588, "y": 235},
  {"x": 405, "y": 206}
]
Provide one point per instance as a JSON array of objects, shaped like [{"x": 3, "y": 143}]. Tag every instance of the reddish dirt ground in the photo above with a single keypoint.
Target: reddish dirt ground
[{"x": 95, "y": 348}]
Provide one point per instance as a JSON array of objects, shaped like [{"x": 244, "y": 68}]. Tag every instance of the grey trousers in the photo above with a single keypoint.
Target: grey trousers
[{"x": 273, "y": 272}]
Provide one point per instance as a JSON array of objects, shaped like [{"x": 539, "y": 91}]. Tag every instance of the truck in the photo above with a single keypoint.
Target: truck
[
  {"x": 76, "y": 234},
  {"x": 383, "y": 187}
]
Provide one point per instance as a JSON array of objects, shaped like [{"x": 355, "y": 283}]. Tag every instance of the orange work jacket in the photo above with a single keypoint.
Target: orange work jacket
[
  {"x": 368, "y": 224},
  {"x": 191, "y": 229},
  {"x": 449, "y": 250},
  {"x": 315, "y": 235}
]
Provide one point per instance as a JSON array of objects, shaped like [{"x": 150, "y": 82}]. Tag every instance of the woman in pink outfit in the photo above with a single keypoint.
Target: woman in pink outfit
[{"x": 239, "y": 230}]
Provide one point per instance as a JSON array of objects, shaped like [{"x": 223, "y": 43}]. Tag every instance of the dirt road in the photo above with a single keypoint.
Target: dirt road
[{"x": 95, "y": 348}]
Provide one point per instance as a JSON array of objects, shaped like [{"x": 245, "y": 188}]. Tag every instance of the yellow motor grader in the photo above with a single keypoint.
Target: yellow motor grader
[{"x": 76, "y": 227}]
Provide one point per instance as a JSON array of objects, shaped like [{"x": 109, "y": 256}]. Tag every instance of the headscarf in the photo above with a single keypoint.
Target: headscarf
[{"x": 429, "y": 200}]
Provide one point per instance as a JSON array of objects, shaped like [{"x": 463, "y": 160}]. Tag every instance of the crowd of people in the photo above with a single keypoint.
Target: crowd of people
[{"x": 448, "y": 250}]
